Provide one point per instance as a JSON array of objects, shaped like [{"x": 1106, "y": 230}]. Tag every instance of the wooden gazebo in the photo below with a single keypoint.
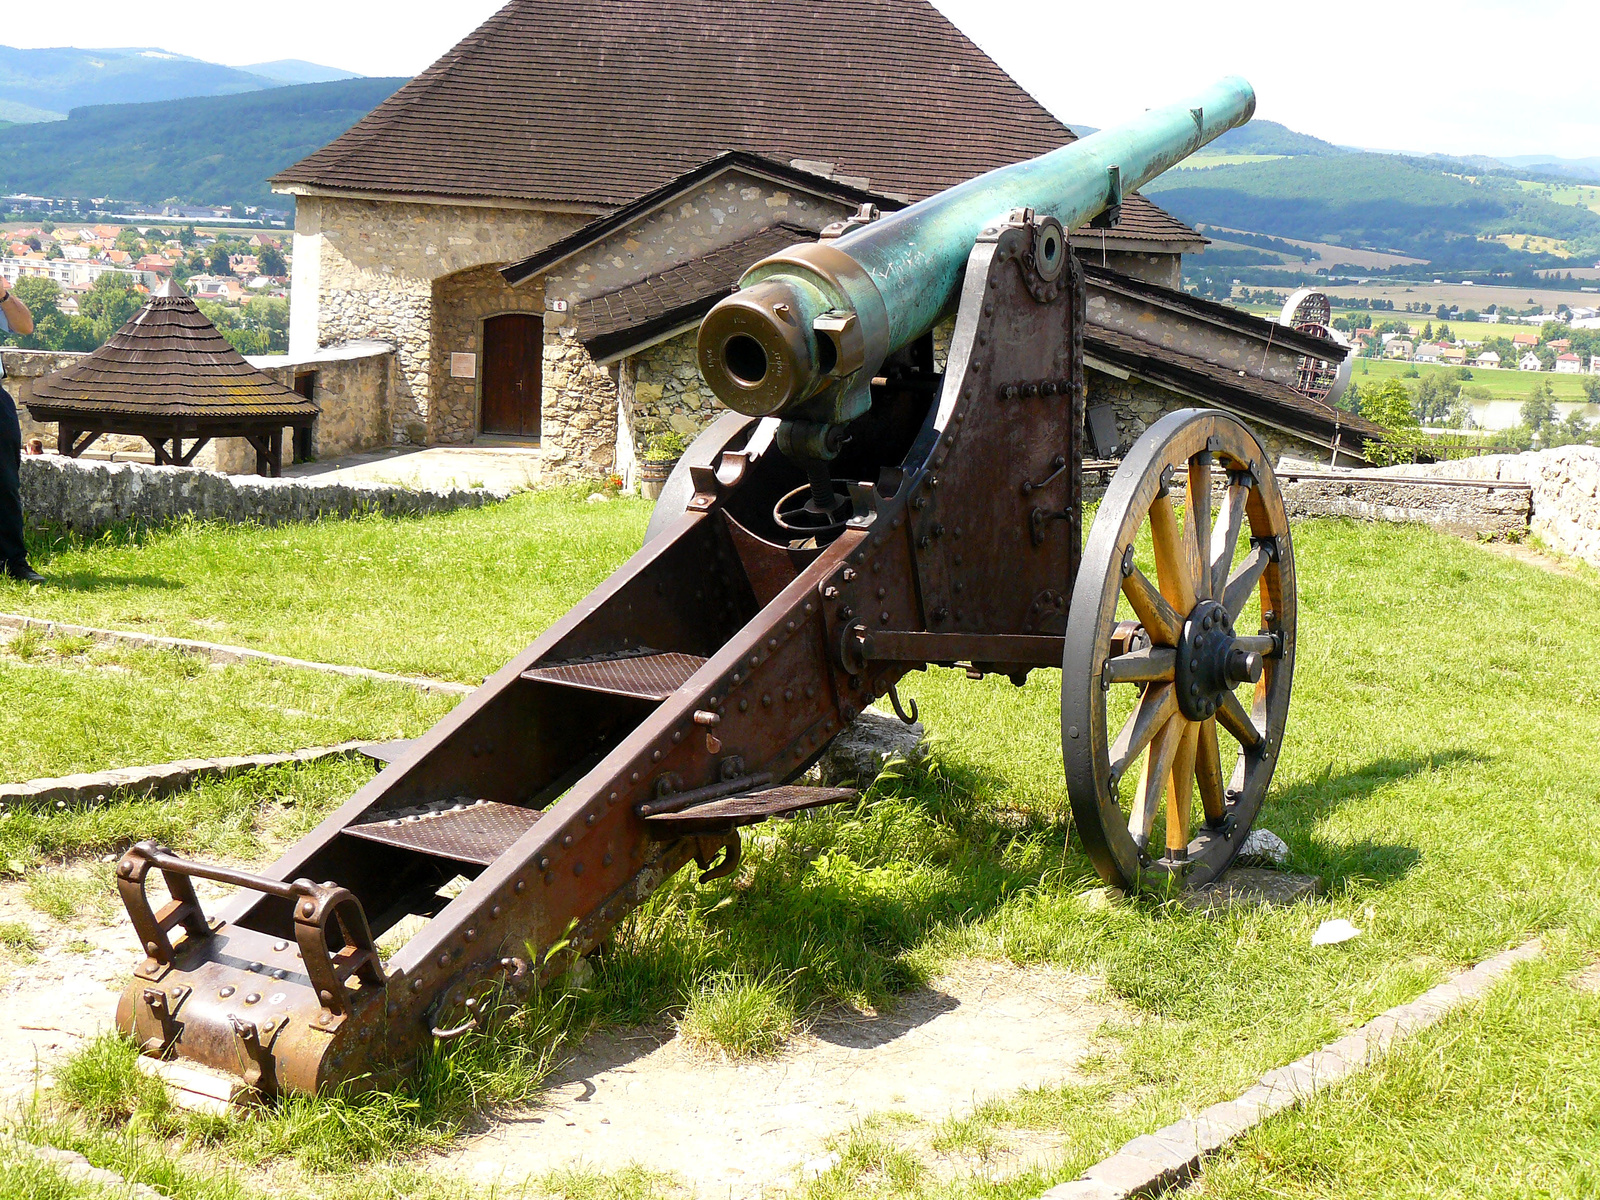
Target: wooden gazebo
[{"x": 169, "y": 377}]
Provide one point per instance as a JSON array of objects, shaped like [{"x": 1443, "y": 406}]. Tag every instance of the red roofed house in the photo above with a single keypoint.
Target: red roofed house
[
  {"x": 1525, "y": 339},
  {"x": 1569, "y": 364},
  {"x": 632, "y": 160}
]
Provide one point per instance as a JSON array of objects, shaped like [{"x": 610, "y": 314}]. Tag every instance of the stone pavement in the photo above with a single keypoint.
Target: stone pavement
[{"x": 509, "y": 467}]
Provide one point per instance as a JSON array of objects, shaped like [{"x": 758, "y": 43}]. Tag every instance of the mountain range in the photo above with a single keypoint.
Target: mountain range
[
  {"x": 199, "y": 150},
  {"x": 45, "y": 85}
]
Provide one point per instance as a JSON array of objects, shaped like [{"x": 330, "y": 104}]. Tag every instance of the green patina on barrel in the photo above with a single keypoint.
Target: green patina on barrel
[{"x": 881, "y": 285}]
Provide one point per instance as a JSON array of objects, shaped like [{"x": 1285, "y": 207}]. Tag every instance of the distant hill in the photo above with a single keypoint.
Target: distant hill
[
  {"x": 297, "y": 70},
  {"x": 53, "y": 82},
  {"x": 209, "y": 150},
  {"x": 1377, "y": 201},
  {"x": 1585, "y": 169},
  {"x": 1268, "y": 137}
]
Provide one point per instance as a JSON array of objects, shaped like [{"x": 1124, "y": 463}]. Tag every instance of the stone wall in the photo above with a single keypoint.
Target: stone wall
[
  {"x": 1499, "y": 514},
  {"x": 668, "y": 392},
  {"x": 1140, "y": 405},
  {"x": 580, "y": 410},
  {"x": 86, "y": 496},
  {"x": 1565, "y": 491},
  {"x": 352, "y": 387},
  {"x": 599, "y": 418},
  {"x": 373, "y": 269}
]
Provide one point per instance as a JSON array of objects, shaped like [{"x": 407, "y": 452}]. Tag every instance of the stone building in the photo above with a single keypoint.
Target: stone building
[{"x": 538, "y": 220}]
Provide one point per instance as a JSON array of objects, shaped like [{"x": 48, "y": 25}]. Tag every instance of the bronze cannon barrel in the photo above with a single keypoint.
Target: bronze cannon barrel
[{"x": 811, "y": 324}]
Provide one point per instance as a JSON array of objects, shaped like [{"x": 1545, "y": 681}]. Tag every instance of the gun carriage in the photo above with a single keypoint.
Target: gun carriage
[{"x": 858, "y": 514}]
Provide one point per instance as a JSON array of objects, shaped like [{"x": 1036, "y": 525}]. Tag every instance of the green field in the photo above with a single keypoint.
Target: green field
[
  {"x": 1511, "y": 385},
  {"x": 1197, "y": 162},
  {"x": 1584, "y": 195}
]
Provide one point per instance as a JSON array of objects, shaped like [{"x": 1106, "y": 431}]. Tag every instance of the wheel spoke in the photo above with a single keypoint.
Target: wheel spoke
[
  {"x": 1153, "y": 780},
  {"x": 1153, "y": 664},
  {"x": 1232, "y": 717},
  {"x": 1160, "y": 620},
  {"x": 1244, "y": 580},
  {"x": 1174, "y": 572},
  {"x": 1225, "y": 536},
  {"x": 1180, "y": 792},
  {"x": 1197, "y": 524},
  {"x": 1157, "y": 704},
  {"x": 1208, "y": 772}
]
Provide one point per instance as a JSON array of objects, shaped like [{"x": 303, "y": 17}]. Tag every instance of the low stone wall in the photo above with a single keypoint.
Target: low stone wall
[
  {"x": 1553, "y": 493},
  {"x": 1495, "y": 513},
  {"x": 1566, "y": 500},
  {"x": 86, "y": 496}
]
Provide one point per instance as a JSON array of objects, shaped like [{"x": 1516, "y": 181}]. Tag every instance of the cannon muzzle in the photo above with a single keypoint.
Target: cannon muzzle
[{"x": 811, "y": 325}]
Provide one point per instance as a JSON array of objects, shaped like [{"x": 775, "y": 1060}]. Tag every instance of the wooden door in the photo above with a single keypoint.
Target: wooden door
[{"x": 513, "y": 359}]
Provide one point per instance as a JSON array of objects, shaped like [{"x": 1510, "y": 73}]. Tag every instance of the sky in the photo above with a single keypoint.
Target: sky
[{"x": 1497, "y": 77}]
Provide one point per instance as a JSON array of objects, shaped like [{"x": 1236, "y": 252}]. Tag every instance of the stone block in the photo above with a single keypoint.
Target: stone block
[
  {"x": 858, "y": 754},
  {"x": 1083, "y": 1189},
  {"x": 1130, "y": 1174},
  {"x": 1251, "y": 886}
]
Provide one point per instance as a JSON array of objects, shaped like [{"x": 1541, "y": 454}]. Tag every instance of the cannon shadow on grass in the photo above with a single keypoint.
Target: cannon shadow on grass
[{"x": 1296, "y": 811}]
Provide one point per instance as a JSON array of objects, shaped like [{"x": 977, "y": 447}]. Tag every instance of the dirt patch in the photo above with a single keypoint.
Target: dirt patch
[
  {"x": 1588, "y": 980},
  {"x": 1527, "y": 554},
  {"x": 738, "y": 1129},
  {"x": 66, "y": 990}
]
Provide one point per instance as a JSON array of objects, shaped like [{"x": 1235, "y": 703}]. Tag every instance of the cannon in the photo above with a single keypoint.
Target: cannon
[{"x": 860, "y": 512}]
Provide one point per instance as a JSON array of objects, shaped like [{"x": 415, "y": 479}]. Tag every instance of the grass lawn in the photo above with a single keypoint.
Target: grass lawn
[
  {"x": 71, "y": 707},
  {"x": 452, "y": 596},
  {"x": 1495, "y": 1103},
  {"x": 1509, "y": 385},
  {"x": 1438, "y": 773}
]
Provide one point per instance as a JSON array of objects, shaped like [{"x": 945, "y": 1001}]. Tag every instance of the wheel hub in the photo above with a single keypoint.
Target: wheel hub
[{"x": 1209, "y": 663}]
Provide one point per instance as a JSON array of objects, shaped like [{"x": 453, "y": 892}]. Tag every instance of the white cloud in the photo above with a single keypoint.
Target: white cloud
[{"x": 1476, "y": 76}]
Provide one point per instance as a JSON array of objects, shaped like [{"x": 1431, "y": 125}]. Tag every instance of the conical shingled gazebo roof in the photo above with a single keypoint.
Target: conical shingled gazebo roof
[{"x": 169, "y": 361}]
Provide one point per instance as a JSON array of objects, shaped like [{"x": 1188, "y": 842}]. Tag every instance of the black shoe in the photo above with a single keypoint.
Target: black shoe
[{"x": 19, "y": 569}]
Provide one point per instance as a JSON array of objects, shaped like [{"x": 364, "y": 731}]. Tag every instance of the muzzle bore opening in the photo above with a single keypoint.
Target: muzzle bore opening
[{"x": 745, "y": 359}]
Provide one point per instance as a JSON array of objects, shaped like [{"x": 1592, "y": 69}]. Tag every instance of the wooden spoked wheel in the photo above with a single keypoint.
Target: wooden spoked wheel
[{"x": 1177, "y": 654}]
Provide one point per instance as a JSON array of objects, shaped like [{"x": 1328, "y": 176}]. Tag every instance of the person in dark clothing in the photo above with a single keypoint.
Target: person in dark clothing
[{"x": 14, "y": 316}]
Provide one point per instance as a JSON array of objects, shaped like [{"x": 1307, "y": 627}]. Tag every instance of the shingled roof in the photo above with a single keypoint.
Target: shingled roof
[
  {"x": 641, "y": 313},
  {"x": 599, "y": 101},
  {"x": 168, "y": 361}
]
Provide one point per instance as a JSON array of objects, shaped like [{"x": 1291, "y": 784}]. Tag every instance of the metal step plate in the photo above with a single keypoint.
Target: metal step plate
[
  {"x": 646, "y": 676},
  {"x": 471, "y": 832},
  {"x": 747, "y": 809}
]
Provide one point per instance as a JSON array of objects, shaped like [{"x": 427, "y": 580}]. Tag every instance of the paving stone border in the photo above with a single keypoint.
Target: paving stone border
[
  {"x": 1156, "y": 1161},
  {"x": 218, "y": 653},
  {"x": 157, "y": 779}
]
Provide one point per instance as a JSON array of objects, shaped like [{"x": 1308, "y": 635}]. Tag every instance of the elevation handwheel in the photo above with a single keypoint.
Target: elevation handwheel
[{"x": 1172, "y": 615}]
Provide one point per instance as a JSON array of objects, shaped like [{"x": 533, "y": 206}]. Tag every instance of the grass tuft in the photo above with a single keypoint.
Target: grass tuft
[
  {"x": 102, "y": 1079},
  {"x": 739, "y": 1016}
]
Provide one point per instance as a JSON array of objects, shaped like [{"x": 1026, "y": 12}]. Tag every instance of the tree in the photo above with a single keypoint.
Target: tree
[
  {"x": 1445, "y": 335},
  {"x": 1575, "y": 429},
  {"x": 219, "y": 260},
  {"x": 110, "y": 304},
  {"x": 1591, "y": 388},
  {"x": 1389, "y": 405},
  {"x": 186, "y": 236},
  {"x": 129, "y": 240},
  {"x": 1539, "y": 409},
  {"x": 271, "y": 261},
  {"x": 1427, "y": 332}
]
